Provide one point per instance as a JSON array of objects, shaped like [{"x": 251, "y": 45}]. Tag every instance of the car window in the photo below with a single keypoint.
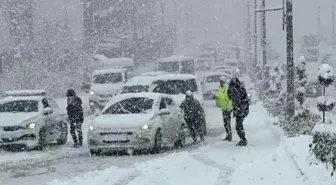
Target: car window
[
  {"x": 53, "y": 104},
  {"x": 131, "y": 106},
  {"x": 107, "y": 78},
  {"x": 20, "y": 106},
  {"x": 188, "y": 67},
  {"x": 163, "y": 104},
  {"x": 214, "y": 78},
  {"x": 167, "y": 102},
  {"x": 45, "y": 103},
  {"x": 134, "y": 89}
]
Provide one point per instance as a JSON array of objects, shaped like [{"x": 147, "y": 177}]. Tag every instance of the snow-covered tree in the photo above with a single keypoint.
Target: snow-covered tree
[{"x": 326, "y": 77}]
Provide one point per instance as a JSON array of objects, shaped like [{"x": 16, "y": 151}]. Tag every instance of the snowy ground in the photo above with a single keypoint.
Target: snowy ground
[{"x": 268, "y": 159}]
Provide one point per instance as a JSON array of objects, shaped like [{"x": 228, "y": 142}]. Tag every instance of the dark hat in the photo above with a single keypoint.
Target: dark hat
[{"x": 70, "y": 92}]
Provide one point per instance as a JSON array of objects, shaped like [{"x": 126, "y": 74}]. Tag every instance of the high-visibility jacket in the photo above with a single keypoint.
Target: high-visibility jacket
[{"x": 225, "y": 103}]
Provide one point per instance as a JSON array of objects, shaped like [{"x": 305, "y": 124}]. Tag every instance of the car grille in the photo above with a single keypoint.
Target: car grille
[
  {"x": 116, "y": 133},
  {"x": 11, "y": 129},
  {"x": 128, "y": 134}
]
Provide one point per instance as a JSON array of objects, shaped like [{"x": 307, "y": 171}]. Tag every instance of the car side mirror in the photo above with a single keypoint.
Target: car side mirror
[
  {"x": 47, "y": 111},
  {"x": 164, "y": 112}
]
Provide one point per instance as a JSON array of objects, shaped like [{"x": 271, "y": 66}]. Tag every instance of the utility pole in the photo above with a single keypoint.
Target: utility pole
[
  {"x": 162, "y": 12},
  {"x": 255, "y": 37},
  {"x": 333, "y": 27},
  {"x": 248, "y": 54},
  {"x": 263, "y": 35},
  {"x": 319, "y": 21},
  {"x": 290, "y": 61},
  {"x": 175, "y": 22}
]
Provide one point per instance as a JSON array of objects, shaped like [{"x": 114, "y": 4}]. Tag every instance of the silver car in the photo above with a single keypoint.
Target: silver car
[
  {"x": 31, "y": 120},
  {"x": 137, "y": 121}
]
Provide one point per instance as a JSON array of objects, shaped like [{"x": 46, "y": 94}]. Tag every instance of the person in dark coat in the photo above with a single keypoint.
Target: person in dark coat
[
  {"x": 76, "y": 117},
  {"x": 240, "y": 104},
  {"x": 193, "y": 112}
]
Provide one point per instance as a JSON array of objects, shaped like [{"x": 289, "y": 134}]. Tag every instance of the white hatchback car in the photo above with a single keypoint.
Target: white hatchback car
[
  {"x": 137, "y": 121},
  {"x": 30, "y": 119}
]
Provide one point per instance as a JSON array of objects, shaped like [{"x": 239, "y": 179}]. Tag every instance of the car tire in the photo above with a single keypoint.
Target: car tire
[
  {"x": 181, "y": 137},
  {"x": 95, "y": 152},
  {"x": 64, "y": 137},
  {"x": 157, "y": 148},
  {"x": 42, "y": 143}
]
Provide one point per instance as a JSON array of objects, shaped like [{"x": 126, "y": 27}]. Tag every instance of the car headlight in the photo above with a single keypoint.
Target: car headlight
[
  {"x": 91, "y": 128},
  {"x": 31, "y": 125},
  {"x": 146, "y": 127},
  {"x": 92, "y": 93},
  {"x": 249, "y": 95}
]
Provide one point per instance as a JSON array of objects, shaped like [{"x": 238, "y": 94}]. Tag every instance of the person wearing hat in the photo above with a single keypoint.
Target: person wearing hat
[
  {"x": 76, "y": 117},
  {"x": 240, "y": 106},
  {"x": 225, "y": 104},
  {"x": 193, "y": 112}
]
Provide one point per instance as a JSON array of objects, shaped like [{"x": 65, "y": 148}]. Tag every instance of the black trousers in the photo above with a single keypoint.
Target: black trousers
[
  {"x": 239, "y": 125},
  {"x": 195, "y": 128},
  {"x": 76, "y": 127}
]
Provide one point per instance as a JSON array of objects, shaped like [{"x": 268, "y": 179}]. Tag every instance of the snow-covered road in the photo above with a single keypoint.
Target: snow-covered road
[{"x": 264, "y": 161}]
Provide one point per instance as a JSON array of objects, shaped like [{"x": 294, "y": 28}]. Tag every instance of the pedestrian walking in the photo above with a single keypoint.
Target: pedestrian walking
[
  {"x": 76, "y": 117},
  {"x": 225, "y": 104},
  {"x": 240, "y": 104}
]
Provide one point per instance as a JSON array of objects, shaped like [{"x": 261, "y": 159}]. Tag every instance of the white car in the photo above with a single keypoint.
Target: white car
[
  {"x": 137, "y": 121},
  {"x": 105, "y": 84},
  {"x": 210, "y": 84},
  {"x": 31, "y": 120},
  {"x": 176, "y": 85}
]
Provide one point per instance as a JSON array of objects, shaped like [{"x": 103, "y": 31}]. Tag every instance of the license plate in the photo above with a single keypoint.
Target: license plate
[{"x": 115, "y": 137}]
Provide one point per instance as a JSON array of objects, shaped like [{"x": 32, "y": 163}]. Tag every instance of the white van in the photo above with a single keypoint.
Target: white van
[
  {"x": 177, "y": 64},
  {"x": 105, "y": 84},
  {"x": 123, "y": 62}
]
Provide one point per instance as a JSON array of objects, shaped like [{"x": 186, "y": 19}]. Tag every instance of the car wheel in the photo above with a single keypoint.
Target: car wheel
[
  {"x": 157, "y": 142},
  {"x": 42, "y": 143},
  {"x": 181, "y": 137},
  {"x": 64, "y": 136},
  {"x": 94, "y": 152}
]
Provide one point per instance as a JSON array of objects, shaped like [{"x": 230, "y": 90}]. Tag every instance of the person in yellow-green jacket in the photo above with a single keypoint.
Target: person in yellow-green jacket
[{"x": 225, "y": 105}]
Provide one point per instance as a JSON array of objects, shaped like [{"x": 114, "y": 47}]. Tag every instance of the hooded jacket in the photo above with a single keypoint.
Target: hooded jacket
[{"x": 240, "y": 101}]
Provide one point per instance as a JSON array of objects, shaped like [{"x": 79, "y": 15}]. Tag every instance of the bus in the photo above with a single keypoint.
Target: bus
[{"x": 177, "y": 64}]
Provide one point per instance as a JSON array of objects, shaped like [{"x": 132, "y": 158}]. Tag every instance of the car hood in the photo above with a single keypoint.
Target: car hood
[
  {"x": 106, "y": 88},
  {"x": 122, "y": 121},
  {"x": 16, "y": 119}
]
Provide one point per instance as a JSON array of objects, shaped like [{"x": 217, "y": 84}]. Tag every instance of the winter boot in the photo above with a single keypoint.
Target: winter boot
[
  {"x": 75, "y": 145},
  {"x": 242, "y": 143},
  {"x": 228, "y": 138}
]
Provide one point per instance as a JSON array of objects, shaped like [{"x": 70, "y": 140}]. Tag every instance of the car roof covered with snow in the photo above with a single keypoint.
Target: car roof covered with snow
[
  {"x": 121, "y": 97},
  {"x": 109, "y": 70},
  {"x": 122, "y": 61},
  {"x": 148, "y": 80},
  {"x": 215, "y": 73},
  {"x": 20, "y": 98},
  {"x": 175, "y": 59},
  {"x": 154, "y": 73}
]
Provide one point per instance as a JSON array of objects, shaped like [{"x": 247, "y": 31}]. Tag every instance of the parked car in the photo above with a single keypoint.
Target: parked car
[
  {"x": 31, "y": 120},
  {"x": 105, "y": 84},
  {"x": 210, "y": 84},
  {"x": 176, "y": 85},
  {"x": 137, "y": 121}
]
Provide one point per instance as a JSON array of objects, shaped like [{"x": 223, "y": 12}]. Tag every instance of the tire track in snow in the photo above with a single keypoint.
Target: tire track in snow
[
  {"x": 278, "y": 136},
  {"x": 225, "y": 173},
  {"x": 129, "y": 178}
]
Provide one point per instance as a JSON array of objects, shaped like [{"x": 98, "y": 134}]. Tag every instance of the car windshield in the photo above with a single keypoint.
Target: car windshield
[
  {"x": 188, "y": 67},
  {"x": 109, "y": 52},
  {"x": 107, "y": 78},
  {"x": 170, "y": 67},
  {"x": 20, "y": 106},
  {"x": 134, "y": 105},
  {"x": 214, "y": 78},
  {"x": 134, "y": 89},
  {"x": 175, "y": 86}
]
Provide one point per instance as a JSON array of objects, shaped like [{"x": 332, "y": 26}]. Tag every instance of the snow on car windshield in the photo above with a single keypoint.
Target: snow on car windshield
[
  {"x": 135, "y": 89},
  {"x": 131, "y": 106},
  {"x": 175, "y": 86},
  {"x": 107, "y": 78},
  {"x": 214, "y": 78},
  {"x": 20, "y": 106}
]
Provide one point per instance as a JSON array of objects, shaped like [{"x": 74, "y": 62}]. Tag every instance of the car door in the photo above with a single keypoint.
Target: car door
[
  {"x": 57, "y": 124},
  {"x": 165, "y": 120},
  {"x": 172, "y": 122},
  {"x": 176, "y": 117},
  {"x": 48, "y": 120}
]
